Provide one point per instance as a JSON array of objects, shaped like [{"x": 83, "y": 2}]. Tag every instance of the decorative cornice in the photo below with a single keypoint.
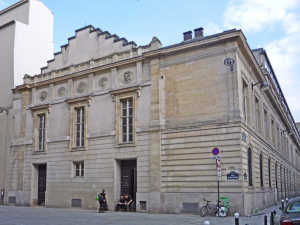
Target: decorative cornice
[
  {"x": 126, "y": 90},
  {"x": 210, "y": 40},
  {"x": 40, "y": 107},
  {"x": 76, "y": 100}
]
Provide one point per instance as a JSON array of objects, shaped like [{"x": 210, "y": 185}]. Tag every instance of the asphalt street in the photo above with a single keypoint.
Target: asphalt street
[{"x": 49, "y": 216}]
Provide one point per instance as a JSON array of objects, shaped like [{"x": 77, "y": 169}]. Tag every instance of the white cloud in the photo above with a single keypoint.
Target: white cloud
[
  {"x": 285, "y": 58},
  {"x": 284, "y": 53},
  {"x": 255, "y": 15},
  {"x": 212, "y": 28}
]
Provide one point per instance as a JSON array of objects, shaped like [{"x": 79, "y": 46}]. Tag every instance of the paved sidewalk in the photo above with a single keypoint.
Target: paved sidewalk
[{"x": 255, "y": 219}]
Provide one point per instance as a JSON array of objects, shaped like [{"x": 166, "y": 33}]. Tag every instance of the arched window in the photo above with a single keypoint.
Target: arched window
[
  {"x": 269, "y": 170},
  {"x": 290, "y": 180},
  {"x": 294, "y": 181},
  {"x": 276, "y": 173},
  {"x": 250, "y": 167},
  {"x": 261, "y": 170}
]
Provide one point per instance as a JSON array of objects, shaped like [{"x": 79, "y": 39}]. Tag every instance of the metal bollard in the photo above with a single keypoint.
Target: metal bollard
[
  {"x": 272, "y": 218},
  {"x": 282, "y": 204},
  {"x": 266, "y": 220},
  {"x": 236, "y": 218}
]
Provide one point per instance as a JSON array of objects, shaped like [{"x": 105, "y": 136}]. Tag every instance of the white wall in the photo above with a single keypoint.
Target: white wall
[{"x": 33, "y": 42}]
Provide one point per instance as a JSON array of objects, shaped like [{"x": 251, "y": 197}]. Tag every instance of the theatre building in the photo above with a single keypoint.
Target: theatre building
[{"x": 108, "y": 114}]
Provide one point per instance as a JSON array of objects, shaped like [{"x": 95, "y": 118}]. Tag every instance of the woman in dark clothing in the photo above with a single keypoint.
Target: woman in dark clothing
[{"x": 121, "y": 204}]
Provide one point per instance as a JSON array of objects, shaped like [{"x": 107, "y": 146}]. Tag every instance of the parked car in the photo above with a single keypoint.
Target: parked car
[{"x": 291, "y": 212}]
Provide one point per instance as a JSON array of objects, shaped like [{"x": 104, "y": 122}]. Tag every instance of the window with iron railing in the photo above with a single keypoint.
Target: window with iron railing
[
  {"x": 78, "y": 168},
  {"x": 127, "y": 115},
  {"x": 79, "y": 127}
]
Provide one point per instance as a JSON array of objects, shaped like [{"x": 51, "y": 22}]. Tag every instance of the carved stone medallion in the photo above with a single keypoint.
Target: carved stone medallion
[
  {"x": 61, "y": 92},
  {"x": 103, "y": 81},
  {"x": 82, "y": 86}
]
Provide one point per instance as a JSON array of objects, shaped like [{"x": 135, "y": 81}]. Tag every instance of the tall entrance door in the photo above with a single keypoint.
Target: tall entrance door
[
  {"x": 42, "y": 178},
  {"x": 128, "y": 178}
]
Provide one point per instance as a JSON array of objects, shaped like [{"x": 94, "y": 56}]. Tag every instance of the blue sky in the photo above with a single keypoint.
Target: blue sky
[{"x": 271, "y": 24}]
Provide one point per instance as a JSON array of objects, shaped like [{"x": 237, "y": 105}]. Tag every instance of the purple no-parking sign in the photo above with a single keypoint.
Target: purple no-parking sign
[{"x": 215, "y": 151}]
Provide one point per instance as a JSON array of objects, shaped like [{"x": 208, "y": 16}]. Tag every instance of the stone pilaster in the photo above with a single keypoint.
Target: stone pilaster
[{"x": 155, "y": 173}]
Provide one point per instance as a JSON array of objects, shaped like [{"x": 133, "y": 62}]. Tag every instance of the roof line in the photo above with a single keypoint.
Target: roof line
[
  {"x": 91, "y": 30},
  {"x": 13, "y": 6},
  {"x": 277, "y": 83},
  {"x": 198, "y": 39},
  {"x": 8, "y": 24}
]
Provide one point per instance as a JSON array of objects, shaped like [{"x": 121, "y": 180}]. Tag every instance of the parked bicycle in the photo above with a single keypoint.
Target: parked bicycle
[{"x": 210, "y": 209}]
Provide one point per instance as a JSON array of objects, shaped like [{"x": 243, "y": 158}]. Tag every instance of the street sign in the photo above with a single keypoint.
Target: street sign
[
  {"x": 215, "y": 151},
  {"x": 233, "y": 175},
  {"x": 219, "y": 167},
  {"x": 218, "y": 163}
]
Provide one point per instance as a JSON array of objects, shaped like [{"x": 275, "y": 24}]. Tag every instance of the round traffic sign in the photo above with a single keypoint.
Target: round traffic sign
[{"x": 215, "y": 151}]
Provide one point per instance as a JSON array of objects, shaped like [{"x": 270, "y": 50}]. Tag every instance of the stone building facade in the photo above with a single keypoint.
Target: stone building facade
[{"x": 143, "y": 120}]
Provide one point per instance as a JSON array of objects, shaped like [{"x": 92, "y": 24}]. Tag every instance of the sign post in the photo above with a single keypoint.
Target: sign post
[{"x": 216, "y": 152}]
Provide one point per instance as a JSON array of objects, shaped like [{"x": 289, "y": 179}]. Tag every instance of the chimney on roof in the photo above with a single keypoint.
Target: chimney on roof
[
  {"x": 198, "y": 32},
  {"x": 187, "y": 35}
]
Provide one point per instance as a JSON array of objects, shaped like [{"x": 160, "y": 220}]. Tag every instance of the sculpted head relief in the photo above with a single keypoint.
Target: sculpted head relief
[
  {"x": 127, "y": 77},
  {"x": 43, "y": 96}
]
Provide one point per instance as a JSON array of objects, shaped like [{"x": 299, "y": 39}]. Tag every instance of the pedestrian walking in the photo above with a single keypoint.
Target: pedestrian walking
[{"x": 102, "y": 201}]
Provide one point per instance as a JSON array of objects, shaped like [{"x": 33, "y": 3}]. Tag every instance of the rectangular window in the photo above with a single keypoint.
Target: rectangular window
[
  {"x": 273, "y": 131},
  {"x": 269, "y": 171},
  {"x": 42, "y": 121},
  {"x": 281, "y": 186},
  {"x": 79, "y": 127},
  {"x": 294, "y": 181},
  {"x": 266, "y": 124},
  {"x": 278, "y": 137},
  {"x": 261, "y": 170},
  {"x": 245, "y": 101},
  {"x": 250, "y": 167},
  {"x": 276, "y": 174},
  {"x": 257, "y": 115},
  {"x": 78, "y": 169},
  {"x": 127, "y": 115}
]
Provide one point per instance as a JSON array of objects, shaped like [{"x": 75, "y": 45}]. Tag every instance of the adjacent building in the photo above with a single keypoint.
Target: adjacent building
[
  {"x": 143, "y": 120},
  {"x": 26, "y": 43}
]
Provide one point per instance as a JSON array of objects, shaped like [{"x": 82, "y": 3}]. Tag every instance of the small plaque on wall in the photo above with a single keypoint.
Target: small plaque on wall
[{"x": 232, "y": 175}]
